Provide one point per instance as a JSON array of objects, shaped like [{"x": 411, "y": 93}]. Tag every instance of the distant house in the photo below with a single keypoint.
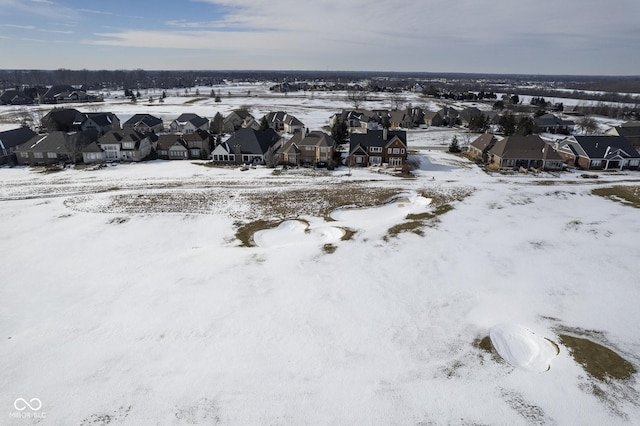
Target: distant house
[
  {"x": 528, "y": 152},
  {"x": 314, "y": 148},
  {"x": 71, "y": 120},
  {"x": 235, "y": 120},
  {"x": 188, "y": 123},
  {"x": 281, "y": 121},
  {"x": 629, "y": 130},
  {"x": 125, "y": 145},
  {"x": 599, "y": 152},
  {"x": 54, "y": 147},
  {"x": 467, "y": 114},
  {"x": 199, "y": 144},
  {"x": 358, "y": 120},
  {"x": 102, "y": 122},
  {"x": 172, "y": 147},
  {"x": 15, "y": 97},
  {"x": 401, "y": 119},
  {"x": 432, "y": 118},
  {"x": 549, "y": 123},
  {"x": 10, "y": 139},
  {"x": 92, "y": 153},
  {"x": 450, "y": 116},
  {"x": 479, "y": 148},
  {"x": 247, "y": 146},
  {"x": 64, "y": 93},
  {"x": 144, "y": 123},
  {"x": 63, "y": 120},
  {"x": 378, "y": 147}
]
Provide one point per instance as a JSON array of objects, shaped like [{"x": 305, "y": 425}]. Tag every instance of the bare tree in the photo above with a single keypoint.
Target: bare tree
[
  {"x": 356, "y": 96},
  {"x": 271, "y": 157},
  {"x": 397, "y": 101},
  {"x": 588, "y": 125}
]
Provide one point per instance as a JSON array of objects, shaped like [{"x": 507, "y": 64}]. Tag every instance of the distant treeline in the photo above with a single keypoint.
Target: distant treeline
[{"x": 616, "y": 88}]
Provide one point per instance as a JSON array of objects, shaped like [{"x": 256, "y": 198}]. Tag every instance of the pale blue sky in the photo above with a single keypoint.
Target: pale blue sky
[{"x": 475, "y": 36}]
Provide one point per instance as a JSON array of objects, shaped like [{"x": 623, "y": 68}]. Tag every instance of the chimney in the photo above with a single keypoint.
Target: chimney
[{"x": 384, "y": 133}]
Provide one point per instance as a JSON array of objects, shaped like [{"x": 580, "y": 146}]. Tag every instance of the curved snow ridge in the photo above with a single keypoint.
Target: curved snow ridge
[
  {"x": 523, "y": 348},
  {"x": 296, "y": 232},
  {"x": 373, "y": 217}
]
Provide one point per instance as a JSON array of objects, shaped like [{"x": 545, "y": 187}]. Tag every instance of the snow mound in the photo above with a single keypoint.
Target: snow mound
[
  {"x": 388, "y": 214},
  {"x": 296, "y": 232},
  {"x": 522, "y": 348}
]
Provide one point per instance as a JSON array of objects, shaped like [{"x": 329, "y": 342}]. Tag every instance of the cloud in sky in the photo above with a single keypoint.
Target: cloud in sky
[{"x": 501, "y": 36}]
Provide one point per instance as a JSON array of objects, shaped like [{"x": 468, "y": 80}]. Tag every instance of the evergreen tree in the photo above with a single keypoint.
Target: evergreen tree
[
  {"x": 454, "y": 147},
  {"x": 479, "y": 123},
  {"x": 507, "y": 124},
  {"x": 525, "y": 126},
  {"x": 339, "y": 132},
  {"x": 264, "y": 124},
  {"x": 217, "y": 123}
]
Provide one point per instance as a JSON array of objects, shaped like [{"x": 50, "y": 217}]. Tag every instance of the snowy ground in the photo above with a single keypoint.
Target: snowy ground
[{"x": 128, "y": 299}]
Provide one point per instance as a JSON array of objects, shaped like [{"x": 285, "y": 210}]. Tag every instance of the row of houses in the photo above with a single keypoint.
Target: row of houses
[
  {"x": 532, "y": 152},
  {"x": 55, "y": 94}
]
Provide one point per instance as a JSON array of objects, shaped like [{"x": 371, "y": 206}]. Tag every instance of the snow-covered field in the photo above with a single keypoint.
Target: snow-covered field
[{"x": 127, "y": 298}]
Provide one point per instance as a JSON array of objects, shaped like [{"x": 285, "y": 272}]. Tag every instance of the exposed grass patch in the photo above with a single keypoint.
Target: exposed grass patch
[
  {"x": 319, "y": 202},
  {"x": 414, "y": 226},
  {"x": 598, "y": 361},
  {"x": 329, "y": 248},
  {"x": 194, "y": 100},
  {"x": 441, "y": 204},
  {"x": 245, "y": 231},
  {"x": 627, "y": 195},
  {"x": 348, "y": 234}
]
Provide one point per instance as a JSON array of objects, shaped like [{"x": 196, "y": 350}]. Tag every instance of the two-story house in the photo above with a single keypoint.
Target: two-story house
[{"x": 377, "y": 148}]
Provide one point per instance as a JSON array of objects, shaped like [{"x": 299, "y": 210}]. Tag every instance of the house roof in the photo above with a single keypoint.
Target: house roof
[
  {"x": 316, "y": 138},
  {"x": 251, "y": 141},
  {"x": 626, "y": 131},
  {"x": 62, "y": 118},
  {"x": 12, "y": 138},
  {"x": 550, "y": 120},
  {"x": 56, "y": 142},
  {"x": 605, "y": 147},
  {"x": 197, "y": 135},
  {"x": 376, "y": 138},
  {"x": 58, "y": 90},
  {"x": 167, "y": 141},
  {"x": 92, "y": 147},
  {"x": 194, "y": 119},
  {"x": 119, "y": 136},
  {"x": 484, "y": 141},
  {"x": 146, "y": 119},
  {"x": 102, "y": 119},
  {"x": 524, "y": 147}
]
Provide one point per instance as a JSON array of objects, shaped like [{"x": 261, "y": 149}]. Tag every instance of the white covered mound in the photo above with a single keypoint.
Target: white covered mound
[
  {"x": 296, "y": 232},
  {"x": 522, "y": 348},
  {"x": 382, "y": 217}
]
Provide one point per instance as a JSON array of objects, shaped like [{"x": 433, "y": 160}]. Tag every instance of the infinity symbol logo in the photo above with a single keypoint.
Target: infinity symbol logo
[{"x": 21, "y": 404}]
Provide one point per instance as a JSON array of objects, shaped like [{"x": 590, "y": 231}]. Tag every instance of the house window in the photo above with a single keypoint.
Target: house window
[
  {"x": 359, "y": 160},
  {"x": 195, "y": 153},
  {"x": 52, "y": 155},
  {"x": 596, "y": 163},
  {"x": 24, "y": 154},
  {"x": 375, "y": 160},
  {"x": 396, "y": 150},
  {"x": 634, "y": 163},
  {"x": 401, "y": 150},
  {"x": 38, "y": 155},
  {"x": 375, "y": 149}
]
